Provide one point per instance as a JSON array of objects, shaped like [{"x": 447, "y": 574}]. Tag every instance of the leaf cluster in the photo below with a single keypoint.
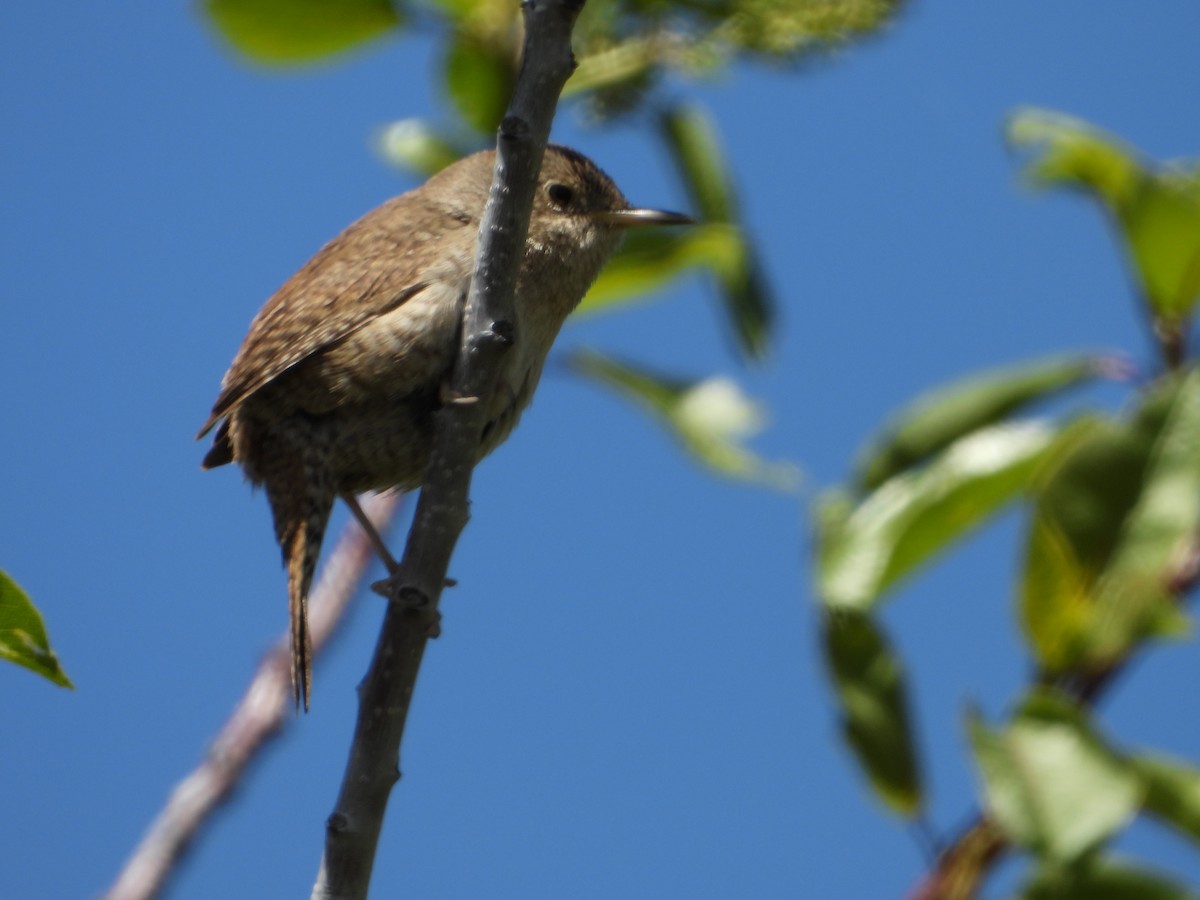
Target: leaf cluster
[{"x": 1111, "y": 549}]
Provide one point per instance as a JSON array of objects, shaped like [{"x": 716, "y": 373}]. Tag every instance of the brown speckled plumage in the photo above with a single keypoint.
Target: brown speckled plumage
[{"x": 334, "y": 388}]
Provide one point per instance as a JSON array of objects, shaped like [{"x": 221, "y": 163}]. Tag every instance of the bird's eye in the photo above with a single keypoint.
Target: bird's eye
[{"x": 560, "y": 195}]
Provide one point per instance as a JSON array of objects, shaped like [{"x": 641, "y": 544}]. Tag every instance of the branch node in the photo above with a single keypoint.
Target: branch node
[
  {"x": 513, "y": 128},
  {"x": 504, "y": 332},
  {"x": 408, "y": 596},
  {"x": 336, "y": 823}
]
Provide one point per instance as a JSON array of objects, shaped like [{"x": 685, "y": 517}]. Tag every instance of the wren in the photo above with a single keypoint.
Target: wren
[{"x": 334, "y": 389}]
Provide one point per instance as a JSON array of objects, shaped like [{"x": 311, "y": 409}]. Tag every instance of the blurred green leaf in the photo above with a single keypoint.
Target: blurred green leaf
[
  {"x": 1163, "y": 229},
  {"x": 692, "y": 139},
  {"x": 288, "y": 32},
  {"x": 650, "y": 258},
  {"x": 710, "y": 418},
  {"x": 23, "y": 638},
  {"x": 1051, "y": 784},
  {"x": 869, "y": 680},
  {"x": 748, "y": 304},
  {"x": 918, "y": 514},
  {"x": 1076, "y": 153},
  {"x": 628, "y": 62},
  {"x": 1094, "y": 478},
  {"x": 831, "y": 516},
  {"x": 1161, "y": 529},
  {"x": 418, "y": 148},
  {"x": 941, "y": 416},
  {"x": 1172, "y": 792},
  {"x": 625, "y": 47},
  {"x": 1118, "y": 515},
  {"x": 791, "y": 27},
  {"x": 1055, "y": 595},
  {"x": 1157, "y": 208},
  {"x": 479, "y": 78},
  {"x": 1097, "y": 879},
  {"x": 622, "y": 50}
]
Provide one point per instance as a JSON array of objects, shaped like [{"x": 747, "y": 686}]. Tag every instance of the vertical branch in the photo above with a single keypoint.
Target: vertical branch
[{"x": 352, "y": 830}]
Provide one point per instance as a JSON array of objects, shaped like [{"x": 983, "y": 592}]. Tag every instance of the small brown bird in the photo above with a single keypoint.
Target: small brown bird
[{"x": 334, "y": 389}]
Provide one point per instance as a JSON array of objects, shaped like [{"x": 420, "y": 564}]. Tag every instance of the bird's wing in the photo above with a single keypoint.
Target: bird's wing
[{"x": 365, "y": 272}]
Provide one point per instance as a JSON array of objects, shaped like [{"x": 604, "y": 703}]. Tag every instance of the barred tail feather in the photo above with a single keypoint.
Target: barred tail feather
[
  {"x": 301, "y": 551},
  {"x": 298, "y": 617},
  {"x": 300, "y": 538}
]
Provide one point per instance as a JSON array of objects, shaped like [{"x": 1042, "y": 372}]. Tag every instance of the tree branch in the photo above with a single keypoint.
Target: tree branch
[
  {"x": 260, "y": 716},
  {"x": 352, "y": 830}
]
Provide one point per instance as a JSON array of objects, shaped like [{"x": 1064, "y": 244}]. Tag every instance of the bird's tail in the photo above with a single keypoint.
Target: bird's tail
[{"x": 301, "y": 528}]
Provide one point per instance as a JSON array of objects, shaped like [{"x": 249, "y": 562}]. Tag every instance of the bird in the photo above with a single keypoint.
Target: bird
[{"x": 335, "y": 386}]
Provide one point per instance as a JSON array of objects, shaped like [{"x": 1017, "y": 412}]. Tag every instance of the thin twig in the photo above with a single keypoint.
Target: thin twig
[
  {"x": 259, "y": 716},
  {"x": 961, "y": 866}
]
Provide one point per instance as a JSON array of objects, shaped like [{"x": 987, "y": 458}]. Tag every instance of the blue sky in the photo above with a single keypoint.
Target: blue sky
[{"x": 627, "y": 699}]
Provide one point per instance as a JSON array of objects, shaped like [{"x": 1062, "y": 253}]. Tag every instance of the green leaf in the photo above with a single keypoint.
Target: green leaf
[
  {"x": 869, "y": 680},
  {"x": 941, "y": 416},
  {"x": 23, "y": 638},
  {"x": 831, "y": 515},
  {"x": 748, "y": 304},
  {"x": 1094, "y": 479},
  {"x": 918, "y": 514},
  {"x": 1102, "y": 880},
  {"x": 417, "y": 147},
  {"x": 789, "y": 28},
  {"x": 1172, "y": 792},
  {"x": 1156, "y": 207},
  {"x": 1050, "y": 783},
  {"x": 648, "y": 259},
  {"x": 1075, "y": 153},
  {"x": 1118, "y": 515},
  {"x": 1163, "y": 525},
  {"x": 480, "y": 75},
  {"x": 287, "y": 32},
  {"x": 1163, "y": 229},
  {"x": 1055, "y": 600},
  {"x": 711, "y": 418},
  {"x": 691, "y": 137},
  {"x": 629, "y": 62}
]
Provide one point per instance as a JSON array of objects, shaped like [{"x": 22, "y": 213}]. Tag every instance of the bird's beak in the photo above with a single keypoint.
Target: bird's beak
[{"x": 636, "y": 218}]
